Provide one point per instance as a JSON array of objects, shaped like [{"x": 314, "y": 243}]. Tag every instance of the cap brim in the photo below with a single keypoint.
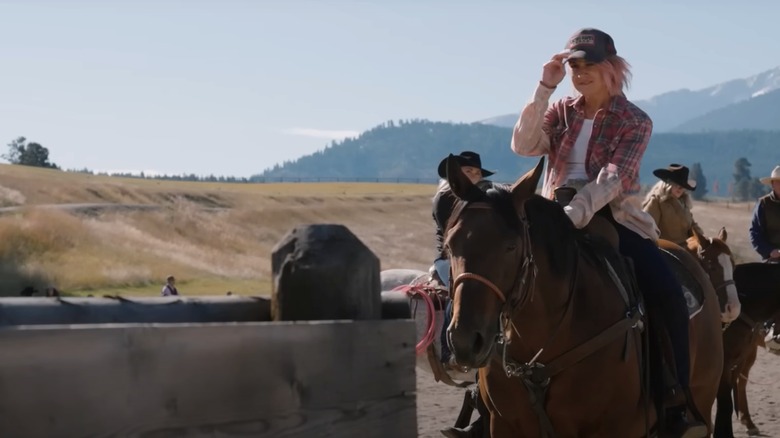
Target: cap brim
[
  {"x": 582, "y": 54},
  {"x": 768, "y": 180}
]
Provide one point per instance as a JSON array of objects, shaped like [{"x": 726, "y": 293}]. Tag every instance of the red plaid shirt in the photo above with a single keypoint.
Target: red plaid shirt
[{"x": 620, "y": 136}]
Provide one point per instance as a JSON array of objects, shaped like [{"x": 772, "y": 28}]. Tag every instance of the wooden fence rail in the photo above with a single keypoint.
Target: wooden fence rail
[
  {"x": 211, "y": 367},
  {"x": 304, "y": 379}
]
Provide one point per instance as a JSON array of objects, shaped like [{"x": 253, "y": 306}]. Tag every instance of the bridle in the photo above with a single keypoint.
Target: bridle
[
  {"x": 707, "y": 265},
  {"x": 521, "y": 288}
]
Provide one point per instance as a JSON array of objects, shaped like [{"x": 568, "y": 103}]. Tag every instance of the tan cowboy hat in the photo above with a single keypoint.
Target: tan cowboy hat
[{"x": 773, "y": 177}]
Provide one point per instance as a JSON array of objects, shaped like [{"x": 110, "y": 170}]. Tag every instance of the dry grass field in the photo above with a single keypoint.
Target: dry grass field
[{"x": 213, "y": 237}]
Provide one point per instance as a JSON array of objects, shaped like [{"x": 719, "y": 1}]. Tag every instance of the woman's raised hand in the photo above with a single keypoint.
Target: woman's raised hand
[{"x": 553, "y": 71}]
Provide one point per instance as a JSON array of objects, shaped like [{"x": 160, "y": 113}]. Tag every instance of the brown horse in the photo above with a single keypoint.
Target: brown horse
[
  {"x": 555, "y": 340},
  {"x": 739, "y": 380},
  {"x": 757, "y": 284}
]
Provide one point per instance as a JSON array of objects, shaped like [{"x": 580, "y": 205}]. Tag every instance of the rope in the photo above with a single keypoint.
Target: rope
[{"x": 430, "y": 331}]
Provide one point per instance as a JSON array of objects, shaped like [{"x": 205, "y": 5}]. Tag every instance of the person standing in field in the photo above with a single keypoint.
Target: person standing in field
[{"x": 170, "y": 287}]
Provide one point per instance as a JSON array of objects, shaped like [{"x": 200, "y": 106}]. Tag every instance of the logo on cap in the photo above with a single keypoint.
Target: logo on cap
[{"x": 583, "y": 40}]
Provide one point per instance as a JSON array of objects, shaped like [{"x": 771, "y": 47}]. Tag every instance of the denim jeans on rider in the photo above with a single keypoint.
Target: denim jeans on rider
[
  {"x": 443, "y": 269},
  {"x": 445, "y": 348},
  {"x": 662, "y": 291}
]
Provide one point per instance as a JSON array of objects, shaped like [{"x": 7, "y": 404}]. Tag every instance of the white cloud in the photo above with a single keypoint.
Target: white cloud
[{"x": 329, "y": 134}]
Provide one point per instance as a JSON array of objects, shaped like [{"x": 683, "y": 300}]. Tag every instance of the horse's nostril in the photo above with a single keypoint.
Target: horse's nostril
[{"x": 479, "y": 341}]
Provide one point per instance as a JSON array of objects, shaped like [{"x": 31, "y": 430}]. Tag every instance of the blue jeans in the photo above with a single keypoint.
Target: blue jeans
[
  {"x": 443, "y": 269},
  {"x": 662, "y": 292},
  {"x": 445, "y": 348}
]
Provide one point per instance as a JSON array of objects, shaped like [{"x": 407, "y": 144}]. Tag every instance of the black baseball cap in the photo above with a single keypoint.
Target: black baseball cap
[{"x": 591, "y": 44}]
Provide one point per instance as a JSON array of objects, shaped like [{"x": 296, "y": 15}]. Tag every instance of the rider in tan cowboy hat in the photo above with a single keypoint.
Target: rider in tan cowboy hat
[
  {"x": 669, "y": 203},
  {"x": 765, "y": 227}
]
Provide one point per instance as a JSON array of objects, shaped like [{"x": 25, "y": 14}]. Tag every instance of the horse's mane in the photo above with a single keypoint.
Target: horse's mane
[
  {"x": 552, "y": 229},
  {"x": 549, "y": 226}
]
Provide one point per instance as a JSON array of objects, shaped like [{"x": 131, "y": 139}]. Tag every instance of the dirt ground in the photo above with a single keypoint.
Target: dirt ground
[{"x": 438, "y": 404}]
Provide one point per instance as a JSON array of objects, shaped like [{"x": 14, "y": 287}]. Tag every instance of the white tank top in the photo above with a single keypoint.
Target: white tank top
[{"x": 575, "y": 167}]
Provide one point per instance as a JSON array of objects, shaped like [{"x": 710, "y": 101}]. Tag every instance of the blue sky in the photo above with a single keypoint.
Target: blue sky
[{"x": 233, "y": 87}]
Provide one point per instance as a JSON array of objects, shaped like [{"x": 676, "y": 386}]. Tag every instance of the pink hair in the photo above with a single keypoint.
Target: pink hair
[{"x": 616, "y": 72}]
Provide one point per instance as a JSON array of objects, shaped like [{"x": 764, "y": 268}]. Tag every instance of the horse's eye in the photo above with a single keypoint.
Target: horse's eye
[{"x": 511, "y": 247}]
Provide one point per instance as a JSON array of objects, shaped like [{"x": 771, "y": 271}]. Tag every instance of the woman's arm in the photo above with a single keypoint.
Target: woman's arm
[
  {"x": 653, "y": 207},
  {"x": 530, "y": 136},
  {"x": 697, "y": 228},
  {"x": 443, "y": 203},
  {"x": 628, "y": 154}
]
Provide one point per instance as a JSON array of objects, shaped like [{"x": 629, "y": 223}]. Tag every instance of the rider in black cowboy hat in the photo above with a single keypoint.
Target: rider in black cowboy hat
[
  {"x": 444, "y": 200},
  {"x": 443, "y": 203}
]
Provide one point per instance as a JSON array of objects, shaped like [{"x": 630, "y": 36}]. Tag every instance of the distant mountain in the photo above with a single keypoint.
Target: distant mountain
[
  {"x": 413, "y": 149},
  {"x": 761, "y": 112},
  {"x": 406, "y": 149},
  {"x": 675, "y": 108},
  {"x": 505, "y": 121}
]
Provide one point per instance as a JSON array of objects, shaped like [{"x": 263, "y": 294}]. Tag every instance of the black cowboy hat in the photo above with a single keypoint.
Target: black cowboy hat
[
  {"x": 677, "y": 174},
  {"x": 465, "y": 158}
]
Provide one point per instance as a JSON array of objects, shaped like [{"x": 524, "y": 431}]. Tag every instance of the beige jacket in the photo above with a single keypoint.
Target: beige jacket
[
  {"x": 529, "y": 139},
  {"x": 674, "y": 220}
]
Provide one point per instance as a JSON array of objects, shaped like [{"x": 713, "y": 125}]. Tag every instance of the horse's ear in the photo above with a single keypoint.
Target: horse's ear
[
  {"x": 700, "y": 239},
  {"x": 460, "y": 184},
  {"x": 526, "y": 185},
  {"x": 722, "y": 234}
]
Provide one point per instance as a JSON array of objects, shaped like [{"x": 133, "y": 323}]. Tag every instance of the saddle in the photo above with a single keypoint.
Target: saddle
[{"x": 601, "y": 241}]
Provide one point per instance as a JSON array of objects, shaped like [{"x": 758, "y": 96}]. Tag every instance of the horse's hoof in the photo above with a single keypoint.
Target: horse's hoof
[
  {"x": 753, "y": 431},
  {"x": 454, "y": 432}
]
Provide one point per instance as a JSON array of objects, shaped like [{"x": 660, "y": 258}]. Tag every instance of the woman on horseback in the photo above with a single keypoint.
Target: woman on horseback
[
  {"x": 443, "y": 202},
  {"x": 669, "y": 203},
  {"x": 595, "y": 142}
]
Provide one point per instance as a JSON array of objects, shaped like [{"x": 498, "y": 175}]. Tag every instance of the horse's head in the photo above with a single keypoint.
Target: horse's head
[
  {"x": 488, "y": 242},
  {"x": 715, "y": 257}
]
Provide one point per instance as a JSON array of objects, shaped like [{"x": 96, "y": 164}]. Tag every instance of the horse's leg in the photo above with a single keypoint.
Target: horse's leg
[
  {"x": 464, "y": 418},
  {"x": 725, "y": 409},
  {"x": 743, "y": 372}
]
